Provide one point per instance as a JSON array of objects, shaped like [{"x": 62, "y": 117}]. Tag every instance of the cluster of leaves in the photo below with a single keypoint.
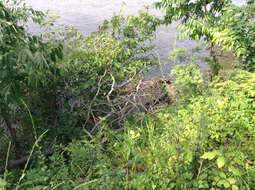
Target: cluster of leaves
[
  {"x": 196, "y": 16},
  {"x": 118, "y": 48},
  {"x": 205, "y": 141},
  {"x": 188, "y": 78},
  {"x": 218, "y": 22},
  {"x": 23, "y": 56},
  {"x": 237, "y": 32},
  {"x": 27, "y": 61}
]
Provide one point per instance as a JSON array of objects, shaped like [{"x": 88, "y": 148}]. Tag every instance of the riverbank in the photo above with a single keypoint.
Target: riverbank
[{"x": 75, "y": 112}]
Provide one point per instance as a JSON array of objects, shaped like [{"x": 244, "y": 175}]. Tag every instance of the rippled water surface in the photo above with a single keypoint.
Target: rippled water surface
[{"x": 86, "y": 15}]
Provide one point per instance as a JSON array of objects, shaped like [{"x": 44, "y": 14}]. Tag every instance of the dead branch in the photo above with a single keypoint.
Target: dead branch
[{"x": 144, "y": 97}]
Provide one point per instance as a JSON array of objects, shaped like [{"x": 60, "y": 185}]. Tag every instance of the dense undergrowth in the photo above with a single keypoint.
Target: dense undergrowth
[
  {"x": 203, "y": 141},
  {"x": 75, "y": 113}
]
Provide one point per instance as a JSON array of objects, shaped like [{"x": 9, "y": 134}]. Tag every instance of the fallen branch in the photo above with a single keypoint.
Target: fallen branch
[{"x": 21, "y": 162}]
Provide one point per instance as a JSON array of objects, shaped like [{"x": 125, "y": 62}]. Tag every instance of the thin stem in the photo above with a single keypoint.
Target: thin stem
[
  {"x": 6, "y": 162},
  {"x": 29, "y": 157},
  {"x": 30, "y": 115}
]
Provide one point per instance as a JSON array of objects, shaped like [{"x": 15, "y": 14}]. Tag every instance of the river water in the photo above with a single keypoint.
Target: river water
[{"x": 86, "y": 15}]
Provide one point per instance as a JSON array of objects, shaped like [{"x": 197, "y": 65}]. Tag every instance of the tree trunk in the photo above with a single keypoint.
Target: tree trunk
[
  {"x": 213, "y": 53},
  {"x": 215, "y": 68},
  {"x": 12, "y": 131}
]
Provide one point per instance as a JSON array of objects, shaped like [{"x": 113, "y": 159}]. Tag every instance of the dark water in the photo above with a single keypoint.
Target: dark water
[{"x": 86, "y": 15}]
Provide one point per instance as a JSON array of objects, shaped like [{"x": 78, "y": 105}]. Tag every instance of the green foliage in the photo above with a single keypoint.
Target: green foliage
[
  {"x": 25, "y": 58},
  {"x": 118, "y": 48},
  {"x": 198, "y": 20},
  {"x": 196, "y": 16},
  {"x": 2, "y": 184},
  {"x": 188, "y": 78},
  {"x": 218, "y": 22},
  {"x": 44, "y": 177},
  {"x": 27, "y": 63},
  {"x": 205, "y": 143},
  {"x": 94, "y": 66},
  {"x": 237, "y": 32},
  {"x": 60, "y": 75}
]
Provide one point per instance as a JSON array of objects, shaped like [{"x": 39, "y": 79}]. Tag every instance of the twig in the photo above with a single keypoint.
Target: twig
[
  {"x": 110, "y": 92},
  {"x": 95, "y": 127},
  {"x": 99, "y": 84},
  {"x": 200, "y": 167}
]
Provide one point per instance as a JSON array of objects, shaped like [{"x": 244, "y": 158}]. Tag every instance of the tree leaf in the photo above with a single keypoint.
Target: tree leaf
[
  {"x": 231, "y": 180},
  {"x": 235, "y": 171},
  {"x": 222, "y": 175},
  {"x": 209, "y": 155},
  {"x": 220, "y": 162},
  {"x": 226, "y": 184}
]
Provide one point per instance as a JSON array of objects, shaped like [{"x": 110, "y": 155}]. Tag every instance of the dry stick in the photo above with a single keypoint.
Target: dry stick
[
  {"x": 109, "y": 101},
  {"x": 90, "y": 111},
  {"x": 138, "y": 85},
  {"x": 121, "y": 106},
  {"x": 127, "y": 109},
  {"x": 94, "y": 98},
  {"x": 88, "y": 133},
  {"x": 98, "y": 123},
  {"x": 121, "y": 117},
  {"x": 127, "y": 82},
  {"x": 110, "y": 92},
  {"x": 131, "y": 108}
]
